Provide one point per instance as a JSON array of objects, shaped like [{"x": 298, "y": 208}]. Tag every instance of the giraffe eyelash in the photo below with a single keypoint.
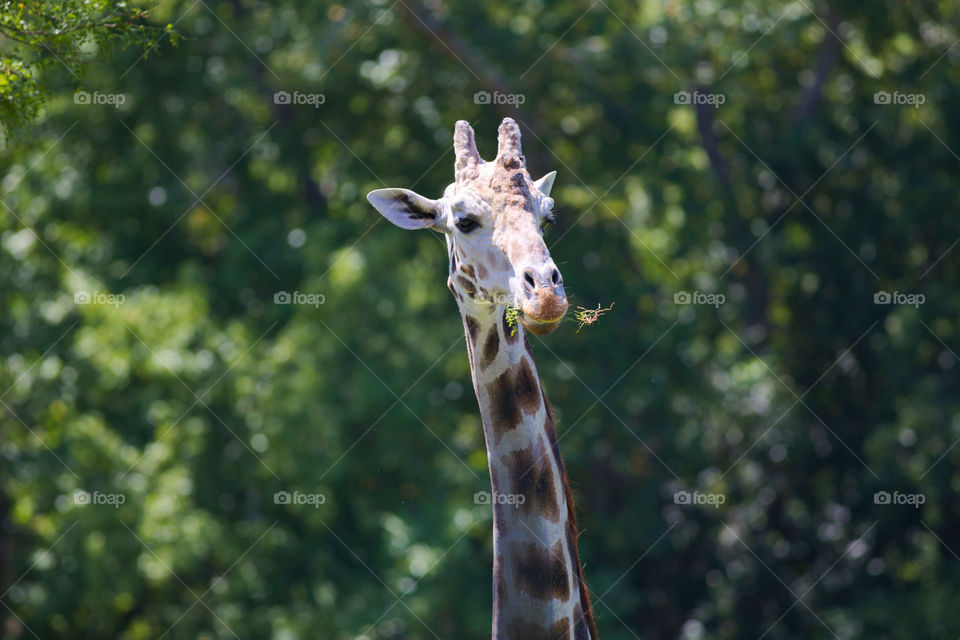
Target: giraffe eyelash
[{"x": 466, "y": 225}]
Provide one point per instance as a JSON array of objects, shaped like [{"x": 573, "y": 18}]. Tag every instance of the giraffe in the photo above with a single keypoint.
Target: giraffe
[{"x": 493, "y": 216}]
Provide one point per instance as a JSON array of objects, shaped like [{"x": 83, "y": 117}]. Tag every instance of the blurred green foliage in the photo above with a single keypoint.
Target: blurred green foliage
[
  {"x": 142, "y": 242},
  {"x": 36, "y": 35}
]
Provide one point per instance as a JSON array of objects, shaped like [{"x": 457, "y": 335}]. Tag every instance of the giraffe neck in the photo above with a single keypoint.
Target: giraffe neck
[{"x": 538, "y": 589}]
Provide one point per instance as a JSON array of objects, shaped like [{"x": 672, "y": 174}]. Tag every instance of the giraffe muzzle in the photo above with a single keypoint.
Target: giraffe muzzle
[{"x": 544, "y": 302}]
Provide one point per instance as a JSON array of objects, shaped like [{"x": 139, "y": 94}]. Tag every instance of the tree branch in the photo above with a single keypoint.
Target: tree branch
[
  {"x": 705, "y": 114},
  {"x": 753, "y": 276},
  {"x": 826, "y": 60}
]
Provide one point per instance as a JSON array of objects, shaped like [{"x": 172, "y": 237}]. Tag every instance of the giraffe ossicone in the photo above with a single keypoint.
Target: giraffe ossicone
[{"x": 493, "y": 216}]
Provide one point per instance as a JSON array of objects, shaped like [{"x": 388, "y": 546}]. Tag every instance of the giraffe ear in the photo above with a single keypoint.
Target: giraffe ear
[
  {"x": 404, "y": 208},
  {"x": 545, "y": 183}
]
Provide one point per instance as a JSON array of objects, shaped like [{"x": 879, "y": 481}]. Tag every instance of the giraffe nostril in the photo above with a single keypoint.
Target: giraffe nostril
[
  {"x": 528, "y": 279},
  {"x": 555, "y": 277}
]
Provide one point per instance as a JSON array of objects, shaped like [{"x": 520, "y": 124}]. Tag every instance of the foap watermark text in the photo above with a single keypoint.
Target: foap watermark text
[
  {"x": 485, "y": 497},
  {"x": 299, "y": 297},
  {"x": 299, "y": 498},
  {"x": 485, "y": 97},
  {"x": 897, "y": 98},
  {"x": 699, "y": 297},
  {"x": 699, "y": 97},
  {"x": 98, "y": 297},
  {"x": 898, "y": 297},
  {"x": 84, "y": 498},
  {"x": 115, "y": 100},
  {"x": 698, "y": 498},
  {"x": 298, "y": 98},
  {"x": 898, "y": 498}
]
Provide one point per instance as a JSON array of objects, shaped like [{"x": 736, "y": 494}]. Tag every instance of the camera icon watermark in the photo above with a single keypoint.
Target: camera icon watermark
[
  {"x": 896, "y": 498},
  {"x": 98, "y": 297},
  {"x": 84, "y": 498},
  {"x": 299, "y": 498},
  {"x": 697, "y": 498},
  {"x": 699, "y": 97},
  {"x": 485, "y": 97},
  {"x": 298, "y": 98},
  {"x": 911, "y": 299},
  {"x": 504, "y": 299},
  {"x": 485, "y": 497},
  {"x": 116, "y": 100},
  {"x": 298, "y": 297},
  {"x": 699, "y": 297},
  {"x": 896, "y": 98}
]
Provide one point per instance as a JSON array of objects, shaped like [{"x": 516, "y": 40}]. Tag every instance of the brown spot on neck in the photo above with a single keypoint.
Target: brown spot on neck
[
  {"x": 512, "y": 394},
  {"x": 505, "y": 413},
  {"x": 528, "y": 391},
  {"x": 491, "y": 347},
  {"x": 532, "y": 477},
  {"x": 473, "y": 328},
  {"x": 467, "y": 286},
  {"x": 527, "y": 630},
  {"x": 541, "y": 573}
]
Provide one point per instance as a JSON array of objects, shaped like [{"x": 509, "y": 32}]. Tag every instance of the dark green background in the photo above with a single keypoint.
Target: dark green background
[{"x": 197, "y": 398}]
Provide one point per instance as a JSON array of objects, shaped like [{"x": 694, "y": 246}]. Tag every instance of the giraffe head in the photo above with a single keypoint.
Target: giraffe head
[{"x": 493, "y": 216}]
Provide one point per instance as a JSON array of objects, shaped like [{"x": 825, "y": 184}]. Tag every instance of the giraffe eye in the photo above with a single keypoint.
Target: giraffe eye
[
  {"x": 466, "y": 225},
  {"x": 549, "y": 218}
]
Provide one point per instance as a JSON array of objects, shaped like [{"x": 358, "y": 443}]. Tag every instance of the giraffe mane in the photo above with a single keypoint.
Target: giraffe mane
[{"x": 585, "y": 606}]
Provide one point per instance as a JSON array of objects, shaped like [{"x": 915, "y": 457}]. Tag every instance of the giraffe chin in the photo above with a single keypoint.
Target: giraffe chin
[{"x": 538, "y": 327}]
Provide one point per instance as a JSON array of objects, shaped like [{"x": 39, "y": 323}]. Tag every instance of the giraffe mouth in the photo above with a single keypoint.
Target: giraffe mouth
[
  {"x": 544, "y": 316},
  {"x": 539, "y": 327}
]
